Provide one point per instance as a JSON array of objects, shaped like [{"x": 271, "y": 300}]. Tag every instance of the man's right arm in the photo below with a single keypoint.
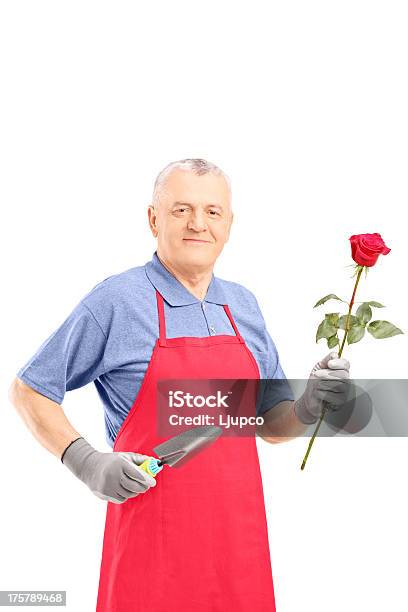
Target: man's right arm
[
  {"x": 44, "y": 418},
  {"x": 114, "y": 477}
]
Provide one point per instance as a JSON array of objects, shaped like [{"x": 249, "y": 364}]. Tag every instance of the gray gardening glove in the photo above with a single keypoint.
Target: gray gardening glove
[
  {"x": 328, "y": 381},
  {"x": 112, "y": 476}
]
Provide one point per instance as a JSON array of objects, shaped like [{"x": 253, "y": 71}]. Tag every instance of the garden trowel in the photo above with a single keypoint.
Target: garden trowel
[{"x": 181, "y": 448}]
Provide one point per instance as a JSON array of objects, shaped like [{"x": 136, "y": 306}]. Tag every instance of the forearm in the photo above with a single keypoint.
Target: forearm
[
  {"x": 44, "y": 418},
  {"x": 281, "y": 424}
]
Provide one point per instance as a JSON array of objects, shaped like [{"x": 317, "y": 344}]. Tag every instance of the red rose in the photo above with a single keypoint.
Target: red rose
[{"x": 366, "y": 248}]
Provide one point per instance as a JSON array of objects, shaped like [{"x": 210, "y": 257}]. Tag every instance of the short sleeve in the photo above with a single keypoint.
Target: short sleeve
[
  {"x": 70, "y": 358},
  {"x": 275, "y": 388}
]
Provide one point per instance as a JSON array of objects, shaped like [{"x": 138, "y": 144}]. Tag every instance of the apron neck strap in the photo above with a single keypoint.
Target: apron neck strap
[
  {"x": 162, "y": 320},
  {"x": 227, "y": 310}
]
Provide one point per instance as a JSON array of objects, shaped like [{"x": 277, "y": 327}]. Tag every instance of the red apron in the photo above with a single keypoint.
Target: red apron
[{"x": 198, "y": 541}]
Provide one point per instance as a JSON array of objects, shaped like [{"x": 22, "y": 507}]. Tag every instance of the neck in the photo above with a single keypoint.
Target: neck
[{"x": 195, "y": 281}]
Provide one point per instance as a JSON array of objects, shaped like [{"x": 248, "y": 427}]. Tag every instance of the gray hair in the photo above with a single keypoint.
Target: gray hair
[{"x": 198, "y": 166}]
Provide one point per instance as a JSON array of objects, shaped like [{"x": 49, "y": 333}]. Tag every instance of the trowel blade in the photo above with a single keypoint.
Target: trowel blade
[{"x": 183, "y": 447}]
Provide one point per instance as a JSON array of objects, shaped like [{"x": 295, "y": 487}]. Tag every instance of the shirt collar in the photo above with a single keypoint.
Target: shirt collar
[{"x": 174, "y": 292}]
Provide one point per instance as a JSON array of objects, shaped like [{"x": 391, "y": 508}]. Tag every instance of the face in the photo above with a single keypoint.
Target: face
[{"x": 193, "y": 219}]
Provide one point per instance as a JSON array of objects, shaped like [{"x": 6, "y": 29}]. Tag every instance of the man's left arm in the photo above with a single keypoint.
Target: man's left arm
[
  {"x": 284, "y": 417},
  {"x": 328, "y": 381},
  {"x": 281, "y": 423}
]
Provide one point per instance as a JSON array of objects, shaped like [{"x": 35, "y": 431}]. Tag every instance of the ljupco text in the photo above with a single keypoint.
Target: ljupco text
[{"x": 222, "y": 420}]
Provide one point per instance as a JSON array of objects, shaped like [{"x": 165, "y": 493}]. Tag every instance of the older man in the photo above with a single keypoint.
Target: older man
[{"x": 198, "y": 540}]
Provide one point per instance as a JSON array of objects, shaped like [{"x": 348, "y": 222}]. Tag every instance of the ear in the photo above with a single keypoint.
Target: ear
[
  {"x": 229, "y": 228},
  {"x": 152, "y": 217}
]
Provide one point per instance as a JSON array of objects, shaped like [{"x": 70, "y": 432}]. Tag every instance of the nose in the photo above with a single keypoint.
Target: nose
[{"x": 197, "y": 222}]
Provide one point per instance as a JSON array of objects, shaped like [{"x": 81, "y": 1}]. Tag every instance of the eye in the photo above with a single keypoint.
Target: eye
[{"x": 214, "y": 212}]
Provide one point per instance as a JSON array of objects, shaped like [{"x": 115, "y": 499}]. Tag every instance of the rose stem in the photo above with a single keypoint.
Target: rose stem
[{"x": 325, "y": 404}]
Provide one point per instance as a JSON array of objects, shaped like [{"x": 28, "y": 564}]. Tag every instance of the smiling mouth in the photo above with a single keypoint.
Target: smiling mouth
[{"x": 196, "y": 240}]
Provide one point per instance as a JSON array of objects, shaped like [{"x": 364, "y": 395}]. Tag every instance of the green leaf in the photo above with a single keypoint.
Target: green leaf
[
  {"x": 355, "y": 334},
  {"x": 332, "y": 341},
  {"x": 353, "y": 321},
  {"x": 364, "y": 313},
  {"x": 331, "y": 296},
  {"x": 332, "y": 318},
  {"x": 325, "y": 330},
  {"x": 375, "y": 304},
  {"x": 383, "y": 329}
]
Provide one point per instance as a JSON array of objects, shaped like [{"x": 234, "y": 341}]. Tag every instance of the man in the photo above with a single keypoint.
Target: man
[{"x": 197, "y": 538}]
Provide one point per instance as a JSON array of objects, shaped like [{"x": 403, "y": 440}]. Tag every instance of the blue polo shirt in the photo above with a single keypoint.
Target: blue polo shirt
[{"x": 108, "y": 338}]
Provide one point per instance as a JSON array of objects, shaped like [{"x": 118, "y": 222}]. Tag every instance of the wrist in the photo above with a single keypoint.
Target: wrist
[
  {"x": 302, "y": 413},
  {"x": 67, "y": 447},
  {"x": 76, "y": 454}
]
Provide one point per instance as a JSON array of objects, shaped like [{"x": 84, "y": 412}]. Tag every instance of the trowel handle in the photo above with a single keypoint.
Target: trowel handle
[{"x": 151, "y": 466}]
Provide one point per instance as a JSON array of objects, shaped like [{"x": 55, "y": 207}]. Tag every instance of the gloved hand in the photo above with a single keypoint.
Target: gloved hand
[
  {"x": 112, "y": 476},
  {"x": 328, "y": 381}
]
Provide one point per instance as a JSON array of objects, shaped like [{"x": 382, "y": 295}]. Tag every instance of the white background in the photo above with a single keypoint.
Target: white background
[{"x": 304, "y": 105}]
